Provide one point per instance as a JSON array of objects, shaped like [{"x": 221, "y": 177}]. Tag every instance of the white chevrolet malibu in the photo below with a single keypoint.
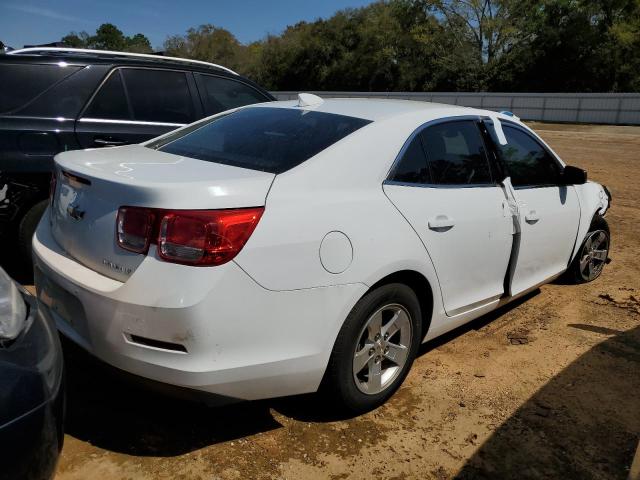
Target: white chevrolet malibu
[{"x": 280, "y": 248}]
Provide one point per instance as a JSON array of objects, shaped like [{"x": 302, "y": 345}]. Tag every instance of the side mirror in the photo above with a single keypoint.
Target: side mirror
[{"x": 573, "y": 176}]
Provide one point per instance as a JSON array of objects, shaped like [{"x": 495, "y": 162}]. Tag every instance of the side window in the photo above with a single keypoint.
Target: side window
[
  {"x": 110, "y": 103},
  {"x": 456, "y": 154},
  {"x": 222, "y": 94},
  {"x": 19, "y": 84},
  {"x": 159, "y": 95},
  {"x": 412, "y": 167},
  {"x": 528, "y": 163}
]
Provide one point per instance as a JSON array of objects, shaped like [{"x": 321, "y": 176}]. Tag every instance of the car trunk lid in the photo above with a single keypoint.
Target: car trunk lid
[{"x": 93, "y": 184}]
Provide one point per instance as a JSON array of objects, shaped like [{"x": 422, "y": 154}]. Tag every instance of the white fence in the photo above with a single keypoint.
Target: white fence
[{"x": 605, "y": 108}]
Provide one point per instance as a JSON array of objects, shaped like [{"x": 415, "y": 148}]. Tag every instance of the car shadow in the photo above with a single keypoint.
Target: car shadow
[
  {"x": 124, "y": 414},
  {"x": 584, "y": 423}
]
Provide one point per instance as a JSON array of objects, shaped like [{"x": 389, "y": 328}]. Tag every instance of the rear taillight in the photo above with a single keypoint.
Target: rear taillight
[
  {"x": 134, "y": 227},
  {"x": 191, "y": 237}
]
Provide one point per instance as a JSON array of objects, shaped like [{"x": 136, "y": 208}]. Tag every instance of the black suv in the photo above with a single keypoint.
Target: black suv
[{"x": 57, "y": 99}]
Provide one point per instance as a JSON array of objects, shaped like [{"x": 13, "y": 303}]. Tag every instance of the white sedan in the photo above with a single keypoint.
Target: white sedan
[{"x": 287, "y": 247}]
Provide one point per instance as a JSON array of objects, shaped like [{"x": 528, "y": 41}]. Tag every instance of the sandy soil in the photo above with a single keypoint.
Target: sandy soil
[{"x": 546, "y": 388}]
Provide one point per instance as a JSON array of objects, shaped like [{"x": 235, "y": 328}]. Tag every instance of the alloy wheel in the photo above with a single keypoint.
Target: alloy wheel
[
  {"x": 382, "y": 349},
  {"x": 594, "y": 255}
]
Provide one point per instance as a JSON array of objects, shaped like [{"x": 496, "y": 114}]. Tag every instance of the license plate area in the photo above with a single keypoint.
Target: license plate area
[{"x": 63, "y": 305}]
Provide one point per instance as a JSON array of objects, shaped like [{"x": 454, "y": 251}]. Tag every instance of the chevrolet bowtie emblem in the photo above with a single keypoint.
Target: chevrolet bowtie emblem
[{"x": 74, "y": 212}]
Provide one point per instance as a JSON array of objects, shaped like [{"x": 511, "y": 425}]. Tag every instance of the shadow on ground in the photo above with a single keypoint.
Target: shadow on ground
[
  {"x": 118, "y": 413},
  {"x": 577, "y": 425}
]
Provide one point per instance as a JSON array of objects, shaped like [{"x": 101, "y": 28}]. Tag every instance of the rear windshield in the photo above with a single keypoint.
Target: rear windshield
[{"x": 268, "y": 139}]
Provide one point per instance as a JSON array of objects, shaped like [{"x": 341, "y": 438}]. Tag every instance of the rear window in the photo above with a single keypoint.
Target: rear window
[
  {"x": 19, "y": 84},
  {"x": 268, "y": 139}
]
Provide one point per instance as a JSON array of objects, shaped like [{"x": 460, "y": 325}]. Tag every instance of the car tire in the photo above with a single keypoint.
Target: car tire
[
  {"x": 27, "y": 228},
  {"x": 384, "y": 324},
  {"x": 593, "y": 254}
]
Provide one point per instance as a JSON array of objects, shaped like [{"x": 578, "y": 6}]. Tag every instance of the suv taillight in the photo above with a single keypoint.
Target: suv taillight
[{"x": 191, "y": 237}]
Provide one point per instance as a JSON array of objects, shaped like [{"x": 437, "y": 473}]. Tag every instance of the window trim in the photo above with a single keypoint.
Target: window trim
[
  {"x": 538, "y": 142},
  {"x": 476, "y": 118},
  {"x": 195, "y": 103}
]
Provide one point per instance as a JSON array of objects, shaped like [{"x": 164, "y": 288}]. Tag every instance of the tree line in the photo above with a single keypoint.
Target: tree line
[{"x": 427, "y": 45}]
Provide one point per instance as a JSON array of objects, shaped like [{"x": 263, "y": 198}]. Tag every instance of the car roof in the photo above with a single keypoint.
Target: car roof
[
  {"x": 82, "y": 55},
  {"x": 381, "y": 109}
]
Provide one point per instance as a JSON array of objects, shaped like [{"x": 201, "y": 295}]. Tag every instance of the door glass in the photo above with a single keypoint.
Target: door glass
[
  {"x": 19, "y": 84},
  {"x": 412, "y": 167},
  {"x": 159, "y": 95},
  {"x": 110, "y": 102},
  {"x": 528, "y": 162},
  {"x": 222, "y": 94},
  {"x": 456, "y": 154}
]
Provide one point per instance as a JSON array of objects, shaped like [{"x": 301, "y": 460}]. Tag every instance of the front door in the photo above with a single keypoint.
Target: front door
[
  {"x": 549, "y": 213},
  {"x": 444, "y": 185}
]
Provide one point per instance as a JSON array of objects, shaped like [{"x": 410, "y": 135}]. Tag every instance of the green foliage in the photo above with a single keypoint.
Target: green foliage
[
  {"x": 76, "y": 40},
  {"x": 421, "y": 45},
  {"x": 108, "y": 37},
  {"x": 208, "y": 43}
]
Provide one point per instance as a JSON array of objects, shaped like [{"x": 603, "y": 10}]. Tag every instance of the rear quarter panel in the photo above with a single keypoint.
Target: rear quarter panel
[{"x": 338, "y": 190}]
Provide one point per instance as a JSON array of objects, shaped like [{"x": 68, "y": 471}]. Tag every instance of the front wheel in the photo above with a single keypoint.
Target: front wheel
[
  {"x": 375, "y": 348},
  {"x": 593, "y": 255}
]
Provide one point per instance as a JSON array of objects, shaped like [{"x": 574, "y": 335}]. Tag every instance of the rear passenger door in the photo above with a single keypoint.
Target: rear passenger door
[
  {"x": 135, "y": 104},
  {"x": 549, "y": 212},
  {"x": 444, "y": 185}
]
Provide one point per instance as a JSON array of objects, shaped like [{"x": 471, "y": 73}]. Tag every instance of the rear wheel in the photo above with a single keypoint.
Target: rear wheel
[
  {"x": 593, "y": 255},
  {"x": 375, "y": 348}
]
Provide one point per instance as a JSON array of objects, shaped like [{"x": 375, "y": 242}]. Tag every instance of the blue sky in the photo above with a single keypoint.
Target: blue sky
[{"x": 32, "y": 22}]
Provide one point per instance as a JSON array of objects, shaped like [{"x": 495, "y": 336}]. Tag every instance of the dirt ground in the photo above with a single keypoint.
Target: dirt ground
[{"x": 546, "y": 388}]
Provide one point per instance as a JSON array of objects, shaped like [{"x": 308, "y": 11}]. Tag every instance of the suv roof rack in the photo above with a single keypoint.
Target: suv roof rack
[{"x": 114, "y": 54}]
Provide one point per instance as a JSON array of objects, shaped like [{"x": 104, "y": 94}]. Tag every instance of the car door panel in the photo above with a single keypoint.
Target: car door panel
[
  {"x": 133, "y": 105},
  {"x": 443, "y": 186},
  {"x": 467, "y": 236},
  {"x": 548, "y": 214},
  {"x": 94, "y": 132},
  {"x": 549, "y": 218}
]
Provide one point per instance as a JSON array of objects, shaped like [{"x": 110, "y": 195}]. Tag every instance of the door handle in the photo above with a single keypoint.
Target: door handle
[
  {"x": 108, "y": 142},
  {"x": 441, "y": 222},
  {"x": 532, "y": 216}
]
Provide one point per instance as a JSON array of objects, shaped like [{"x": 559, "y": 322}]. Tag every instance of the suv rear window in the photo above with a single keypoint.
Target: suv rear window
[
  {"x": 19, "y": 84},
  {"x": 268, "y": 139}
]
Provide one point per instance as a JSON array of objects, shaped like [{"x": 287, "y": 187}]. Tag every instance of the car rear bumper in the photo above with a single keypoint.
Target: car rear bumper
[{"x": 210, "y": 328}]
